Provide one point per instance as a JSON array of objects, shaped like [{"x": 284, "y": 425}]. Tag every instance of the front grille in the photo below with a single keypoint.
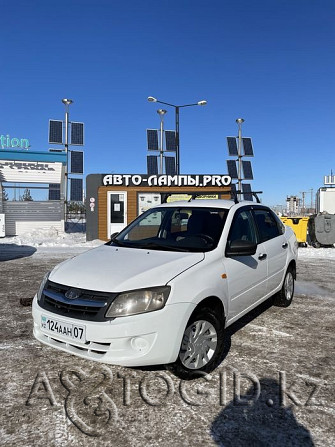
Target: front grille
[{"x": 90, "y": 305}]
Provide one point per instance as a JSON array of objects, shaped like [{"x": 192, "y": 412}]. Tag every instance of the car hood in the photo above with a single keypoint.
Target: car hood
[{"x": 115, "y": 269}]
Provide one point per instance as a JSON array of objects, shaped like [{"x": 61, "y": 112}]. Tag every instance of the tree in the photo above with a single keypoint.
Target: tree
[
  {"x": 76, "y": 207},
  {"x": 26, "y": 197},
  {"x": 4, "y": 195}
]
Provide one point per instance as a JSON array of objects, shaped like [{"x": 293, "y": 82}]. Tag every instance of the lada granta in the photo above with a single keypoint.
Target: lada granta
[{"x": 164, "y": 289}]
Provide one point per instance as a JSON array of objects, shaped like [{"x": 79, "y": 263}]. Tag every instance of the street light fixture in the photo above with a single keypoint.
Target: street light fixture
[
  {"x": 199, "y": 103},
  {"x": 67, "y": 102}
]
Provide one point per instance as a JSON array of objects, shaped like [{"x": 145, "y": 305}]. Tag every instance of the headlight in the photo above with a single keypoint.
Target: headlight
[
  {"x": 138, "y": 302},
  {"x": 43, "y": 283}
]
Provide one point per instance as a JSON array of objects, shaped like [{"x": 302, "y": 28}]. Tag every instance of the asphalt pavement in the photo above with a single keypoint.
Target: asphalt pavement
[{"x": 274, "y": 387}]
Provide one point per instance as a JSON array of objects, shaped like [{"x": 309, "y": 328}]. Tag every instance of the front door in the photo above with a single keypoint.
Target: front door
[
  {"x": 116, "y": 212},
  {"x": 246, "y": 275}
]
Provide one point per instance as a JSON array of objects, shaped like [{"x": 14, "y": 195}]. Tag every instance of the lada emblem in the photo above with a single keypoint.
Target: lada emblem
[{"x": 72, "y": 294}]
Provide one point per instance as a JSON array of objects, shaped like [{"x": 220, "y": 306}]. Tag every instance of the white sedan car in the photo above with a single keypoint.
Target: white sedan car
[{"x": 164, "y": 289}]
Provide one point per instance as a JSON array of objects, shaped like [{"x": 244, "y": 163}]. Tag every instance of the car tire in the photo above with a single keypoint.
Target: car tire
[
  {"x": 285, "y": 296},
  {"x": 201, "y": 347}
]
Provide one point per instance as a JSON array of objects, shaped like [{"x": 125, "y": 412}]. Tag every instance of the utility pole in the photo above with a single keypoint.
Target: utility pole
[
  {"x": 239, "y": 154},
  {"x": 67, "y": 103},
  {"x": 161, "y": 113}
]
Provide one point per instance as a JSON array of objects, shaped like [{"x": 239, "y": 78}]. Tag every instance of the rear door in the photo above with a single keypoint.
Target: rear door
[{"x": 271, "y": 235}]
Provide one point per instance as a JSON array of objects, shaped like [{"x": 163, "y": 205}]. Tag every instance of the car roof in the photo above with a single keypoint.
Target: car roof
[{"x": 205, "y": 203}]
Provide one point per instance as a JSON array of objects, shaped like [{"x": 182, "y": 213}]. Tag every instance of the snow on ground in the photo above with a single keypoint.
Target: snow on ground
[
  {"x": 51, "y": 238},
  {"x": 311, "y": 252}
]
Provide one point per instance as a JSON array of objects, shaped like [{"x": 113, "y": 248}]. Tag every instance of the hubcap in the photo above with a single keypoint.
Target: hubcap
[
  {"x": 198, "y": 345},
  {"x": 289, "y": 286}
]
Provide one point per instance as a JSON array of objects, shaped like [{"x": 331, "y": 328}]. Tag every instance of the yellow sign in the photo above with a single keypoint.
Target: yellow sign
[{"x": 178, "y": 197}]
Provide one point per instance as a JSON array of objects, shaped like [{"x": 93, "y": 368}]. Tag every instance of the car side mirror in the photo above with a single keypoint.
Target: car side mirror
[
  {"x": 239, "y": 247},
  {"x": 114, "y": 235}
]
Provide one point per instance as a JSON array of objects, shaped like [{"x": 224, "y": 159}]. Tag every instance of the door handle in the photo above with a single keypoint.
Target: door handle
[
  {"x": 262, "y": 256},
  {"x": 285, "y": 245}
]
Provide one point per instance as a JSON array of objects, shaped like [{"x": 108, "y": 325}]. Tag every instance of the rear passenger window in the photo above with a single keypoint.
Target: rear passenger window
[{"x": 267, "y": 225}]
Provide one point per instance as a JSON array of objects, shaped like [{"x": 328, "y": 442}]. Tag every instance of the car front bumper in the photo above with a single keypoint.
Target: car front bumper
[{"x": 146, "y": 339}]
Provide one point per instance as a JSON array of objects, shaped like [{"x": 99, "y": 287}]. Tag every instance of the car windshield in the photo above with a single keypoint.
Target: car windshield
[{"x": 174, "y": 228}]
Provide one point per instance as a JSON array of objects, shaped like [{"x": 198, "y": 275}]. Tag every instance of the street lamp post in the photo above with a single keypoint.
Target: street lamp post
[
  {"x": 67, "y": 103},
  {"x": 199, "y": 103},
  {"x": 161, "y": 113},
  {"x": 239, "y": 122}
]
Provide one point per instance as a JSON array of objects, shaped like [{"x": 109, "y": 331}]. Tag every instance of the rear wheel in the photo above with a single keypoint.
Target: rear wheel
[
  {"x": 201, "y": 346},
  {"x": 285, "y": 296}
]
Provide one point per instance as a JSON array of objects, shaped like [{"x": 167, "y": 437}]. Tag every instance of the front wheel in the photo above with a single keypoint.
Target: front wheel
[
  {"x": 201, "y": 346},
  {"x": 285, "y": 296}
]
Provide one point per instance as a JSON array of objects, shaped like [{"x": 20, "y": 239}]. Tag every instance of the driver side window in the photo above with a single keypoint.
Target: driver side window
[{"x": 243, "y": 227}]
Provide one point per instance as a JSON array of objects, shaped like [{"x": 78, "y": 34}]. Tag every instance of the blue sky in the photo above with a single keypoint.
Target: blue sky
[{"x": 270, "y": 62}]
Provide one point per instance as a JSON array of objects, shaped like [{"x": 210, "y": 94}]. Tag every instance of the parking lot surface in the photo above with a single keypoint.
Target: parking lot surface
[{"x": 274, "y": 387}]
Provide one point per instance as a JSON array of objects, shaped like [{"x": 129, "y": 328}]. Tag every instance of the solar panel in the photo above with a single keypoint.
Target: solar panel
[
  {"x": 77, "y": 134},
  {"x": 247, "y": 170},
  {"x": 152, "y": 165},
  {"x": 152, "y": 138},
  {"x": 76, "y": 194},
  {"x": 246, "y": 188},
  {"x": 247, "y": 146},
  {"x": 55, "y": 132},
  {"x": 170, "y": 165},
  {"x": 54, "y": 191},
  {"x": 77, "y": 162},
  {"x": 170, "y": 140},
  {"x": 232, "y": 146},
  {"x": 232, "y": 170},
  {"x": 233, "y": 190}
]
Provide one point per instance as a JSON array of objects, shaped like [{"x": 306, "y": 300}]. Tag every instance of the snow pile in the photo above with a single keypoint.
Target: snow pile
[{"x": 51, "y": 238}]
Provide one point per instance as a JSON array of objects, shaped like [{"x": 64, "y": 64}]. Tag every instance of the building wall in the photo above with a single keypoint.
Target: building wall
[
  {"x": 22, "y": 217},
  {"x": 132, "y": 200},
  {"x": 325, "y": 200}
]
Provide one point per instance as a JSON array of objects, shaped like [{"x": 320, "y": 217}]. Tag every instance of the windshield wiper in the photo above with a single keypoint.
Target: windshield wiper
[
  {"x": 156, "y": 246},
  {"x": 117, "y": 242}
]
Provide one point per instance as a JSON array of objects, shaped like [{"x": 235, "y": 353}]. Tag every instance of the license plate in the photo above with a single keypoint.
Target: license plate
[{"x": 67, "y": 330}]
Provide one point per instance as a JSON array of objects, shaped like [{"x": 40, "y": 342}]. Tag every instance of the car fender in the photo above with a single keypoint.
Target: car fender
[{"x": 203, "y": 280}]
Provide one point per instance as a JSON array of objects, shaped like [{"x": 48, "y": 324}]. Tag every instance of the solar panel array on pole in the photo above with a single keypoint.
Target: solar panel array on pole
[
  {"x": 232, "y": 170},
  {"x": 247, "y": 147},
  {"x": 233, "y": 190},
  {"x": 232, "y": 146},
  {"x": 77, "y": 134},
  {"x": 170, "y": 165},
  {"x": 247, "y": 170},
  {"x": 152, "y": 165},
  {"x": 54, "y": 191},
  {"x": 77, "y": 162},
  {"x": 152, "y": 139},
  {"x": 76, "y": 193},
  {"x": 55, "y": 132},
  {"x": 170, "y": 140},
  {"x": 246, "y": 188}
]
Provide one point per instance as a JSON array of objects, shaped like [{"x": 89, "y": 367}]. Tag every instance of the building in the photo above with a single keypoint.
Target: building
[
  {"x": 325, "y": 196},
  {"x": 38, "y": 171},
  {"x": 325, "y": 200},
  {"x": 114, "y": 200}
]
